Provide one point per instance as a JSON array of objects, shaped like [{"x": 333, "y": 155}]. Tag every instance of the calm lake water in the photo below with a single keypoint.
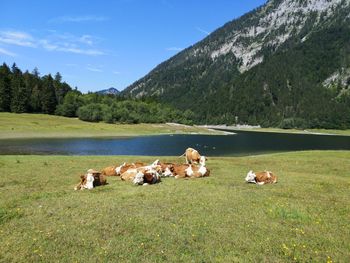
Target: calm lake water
[{"x": 242, "y": 143}]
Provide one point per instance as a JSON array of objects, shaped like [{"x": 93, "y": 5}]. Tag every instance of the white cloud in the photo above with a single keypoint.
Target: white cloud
[
  {"x": 7, "y": 53},
  {"x": 72, "y": 44},
  {"x": 203, "y": 31},
  {"x": 78, "y": 19},
  {"x": 93, "y": 69},
  {"x": 116, "y": 72},
  {"x": 54, "y": 42},
  {"x": 174, "y": 49},
  {"x": 71, "y": 65},
  {"x": 90, "y": 52},
  {"x": 17, "y": 38},
  {"x": 87, "y": 39}
]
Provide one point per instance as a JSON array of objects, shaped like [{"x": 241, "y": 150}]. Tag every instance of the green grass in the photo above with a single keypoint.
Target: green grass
[
  {"x": 303, "y": 218},
  {"x": 41, "y": 125}
]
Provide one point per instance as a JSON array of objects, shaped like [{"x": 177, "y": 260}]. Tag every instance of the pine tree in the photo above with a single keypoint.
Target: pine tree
[
  {"x": 48, "y": 96},
  {"x": 19, "y": 100},
  {"x": 5, "y": 88},
  {"x": 35, "y": 96}
]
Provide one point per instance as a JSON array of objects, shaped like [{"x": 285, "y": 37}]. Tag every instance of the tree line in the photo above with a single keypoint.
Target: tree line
[{"x": 30, "y": 93}]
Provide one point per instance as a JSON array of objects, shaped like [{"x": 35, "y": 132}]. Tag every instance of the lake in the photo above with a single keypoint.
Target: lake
[{"x": 242, "y": 143}]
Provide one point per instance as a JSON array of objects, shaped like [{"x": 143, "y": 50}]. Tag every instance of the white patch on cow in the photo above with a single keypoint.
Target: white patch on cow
[
  {"x": 261, "y": 183},
  {"x": 89, "y": 181},
  {"x": 268, "y": 174},
  {"x": 117, "y": 170},
  {"x": 138, "y": 179},
  {"x": 167, "y": 172},
  {"x": 189, "y": 171},
  {"x": 202, "y": 170},
  {"x": 202, "y": 160},
  {"x": 250, "y": 178}
]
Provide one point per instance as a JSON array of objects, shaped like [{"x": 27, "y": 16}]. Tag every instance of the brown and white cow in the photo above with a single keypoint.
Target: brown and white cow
[
  {"x": 166, "y": 169},
  {"x": 261, "y": 178},
  {"x": 109, "y": 171},
  {"x": 180, "y": 170},
  {"x": 90, "y": 180},
  {"x": 125, "y": 166},
  {"x": 196, "y": 171},
  {"x": 191, "y": 155},
  {"x": 191, "y": 170},
  {"x": 146, "y": 177},
  {"x": 130, "y": 173}
]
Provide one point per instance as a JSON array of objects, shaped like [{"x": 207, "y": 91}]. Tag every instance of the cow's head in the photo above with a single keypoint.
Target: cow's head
[
  {"x": 202, "y": 160},
  {"x": 250, "y": 178},
  {"x": 82, "y": 182},
  {"x": 139, "y": 178}
]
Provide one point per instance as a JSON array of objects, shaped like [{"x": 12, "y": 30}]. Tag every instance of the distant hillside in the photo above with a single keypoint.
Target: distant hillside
[
  {"x": 111, "y": 90},
  {"x": 284, "y": 64}
]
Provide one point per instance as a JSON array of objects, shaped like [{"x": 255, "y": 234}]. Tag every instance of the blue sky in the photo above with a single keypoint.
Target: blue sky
[{"x": 100, "y": 44}]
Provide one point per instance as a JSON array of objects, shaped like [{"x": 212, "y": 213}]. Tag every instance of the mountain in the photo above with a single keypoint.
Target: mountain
[
  {"x": 286, "y": 63},
  {"x": 111, "y": 90}
]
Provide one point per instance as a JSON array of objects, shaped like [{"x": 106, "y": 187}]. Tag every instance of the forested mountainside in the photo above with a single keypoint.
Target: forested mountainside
[{"x": 286, "y": 63}]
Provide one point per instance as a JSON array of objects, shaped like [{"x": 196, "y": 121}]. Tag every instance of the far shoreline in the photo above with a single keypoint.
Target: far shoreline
[{"x": 247, "y": 128}]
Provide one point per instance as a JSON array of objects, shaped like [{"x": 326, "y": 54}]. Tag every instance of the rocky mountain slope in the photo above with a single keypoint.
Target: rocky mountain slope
[
  {"x": 111, "y": 90},
  {"x": 284, "y": 63}
]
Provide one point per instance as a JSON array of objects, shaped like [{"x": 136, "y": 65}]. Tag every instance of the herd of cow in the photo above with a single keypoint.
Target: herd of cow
[{"x": 144, "y": 174}]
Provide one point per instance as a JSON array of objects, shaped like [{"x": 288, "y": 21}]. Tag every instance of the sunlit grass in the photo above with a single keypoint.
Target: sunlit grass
[
  {"x": 48, "y": 126},
  {"x": 303, "y": 218}
]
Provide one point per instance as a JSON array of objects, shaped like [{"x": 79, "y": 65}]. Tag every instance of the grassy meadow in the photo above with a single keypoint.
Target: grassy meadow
[
  {"x": 303, "y": 218},
  {"x": 26, "y": 125}
]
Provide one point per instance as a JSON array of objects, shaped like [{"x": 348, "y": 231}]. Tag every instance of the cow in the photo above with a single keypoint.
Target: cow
[
  {"x": 197, "y": 171},
  {"x": 191, "y": 171},
  {"x": 109, "y": 171},
  {"x": 167, "y": 169},
  {"x": 125, "y": 166},
  {"x": 146, "y": 177},
  {"x": 261, "y": 178},
  {"x": 191, "y": 155},
  {"x": 90, "y": 180},
  {"x": 131, "y": 172},
  {"x": 180, "y": 170}
]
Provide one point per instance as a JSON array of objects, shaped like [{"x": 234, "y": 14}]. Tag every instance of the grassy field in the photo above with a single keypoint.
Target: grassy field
[
  {"x": 48, "y": 126},
  {"x": 303, "y": 218}
]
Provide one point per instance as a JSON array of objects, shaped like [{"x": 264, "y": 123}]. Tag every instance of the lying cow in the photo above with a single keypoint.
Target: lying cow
[
  {"x": 109, "y": 171},
  {"x": 167, "y": 169},
  {"x": 147, "y": 177},
  {"x": 131, "y": 172},
  {"x": 191, "y": 155},
  {"x": 191, "y": 170},
  {"x": 90, "y": 180},
  {"x": 180, "y": 170},
  {"x": 126, "y": 166},
  {"x": 261, "y": 178}
]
